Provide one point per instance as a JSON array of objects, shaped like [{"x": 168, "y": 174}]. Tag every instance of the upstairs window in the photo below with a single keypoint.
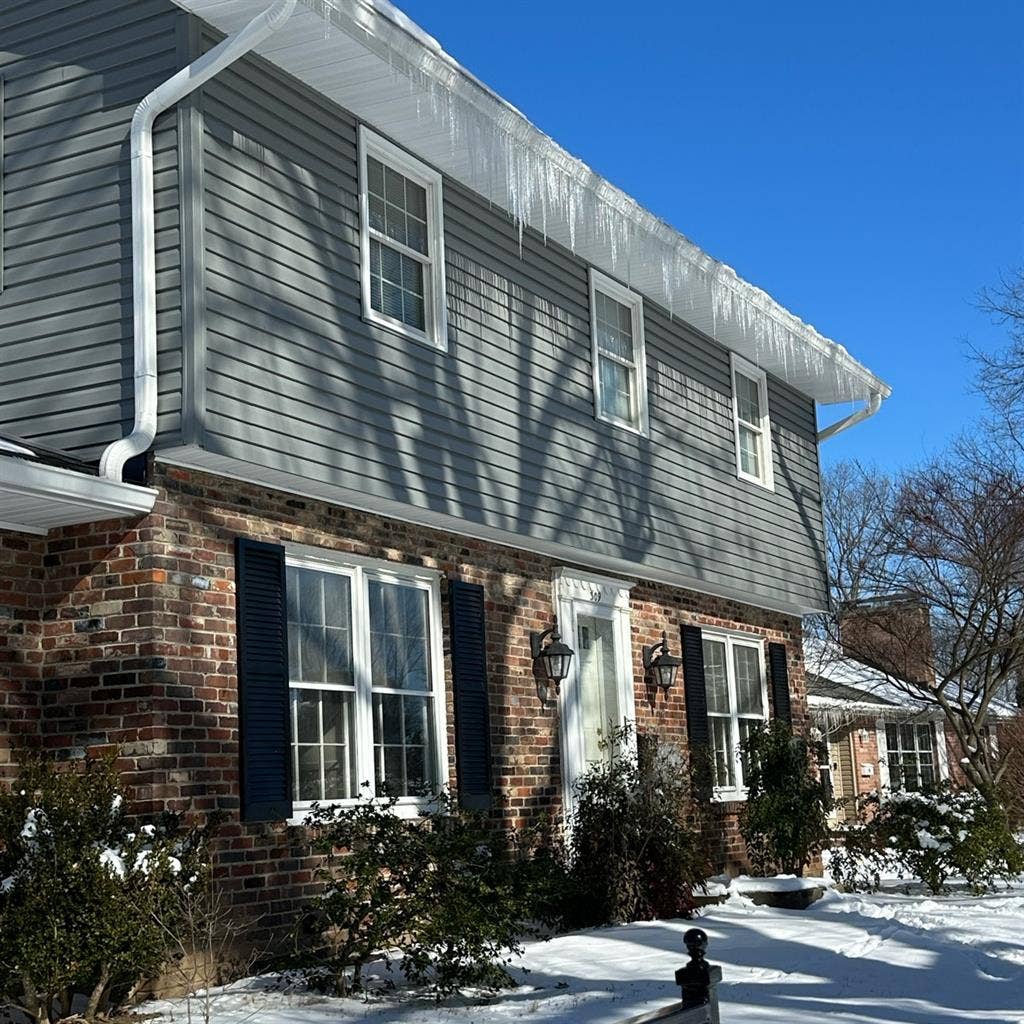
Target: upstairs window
[
  {"x": 752, "y": 426},
  {"x": 401, "y": 242},
  {"x": 620, "y": 371}
]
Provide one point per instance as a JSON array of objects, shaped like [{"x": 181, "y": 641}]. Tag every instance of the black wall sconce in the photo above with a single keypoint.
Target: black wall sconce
[
  {"x": 664, "y": 666},
  {"x": 555, "y": 658}
]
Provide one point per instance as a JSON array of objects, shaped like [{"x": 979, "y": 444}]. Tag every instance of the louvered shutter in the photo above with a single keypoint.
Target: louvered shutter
[
  {"x": 779, "y": 673},
  {"x": 469, "y": 678},
  {"x": 263, "y": 712},
  {"x": 694, "y": 688}
]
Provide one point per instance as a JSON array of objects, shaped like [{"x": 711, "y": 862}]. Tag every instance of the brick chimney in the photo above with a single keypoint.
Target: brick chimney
[{"x": 892, "y": 634}]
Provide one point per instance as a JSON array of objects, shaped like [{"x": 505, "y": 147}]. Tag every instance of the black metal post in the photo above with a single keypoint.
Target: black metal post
[{"x": 695, "y": 978}]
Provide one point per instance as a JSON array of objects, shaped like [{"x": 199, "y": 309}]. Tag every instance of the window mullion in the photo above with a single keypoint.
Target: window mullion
[
  {"x": 363, "y": 679},
  {"x": 734, "y": 717}
]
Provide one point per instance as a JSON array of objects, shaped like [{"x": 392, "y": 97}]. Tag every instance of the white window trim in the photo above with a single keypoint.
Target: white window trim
[
  {"x": 882, "y": 741},
  {"x": 575, "y": 592},
  {"x": 360, "y": 570},
  {"x": 635, "y": 302},
  {"x": 436, "y": 334},
  {"x": 733, "y": 794},
  {"x": 754, "y": 373}
]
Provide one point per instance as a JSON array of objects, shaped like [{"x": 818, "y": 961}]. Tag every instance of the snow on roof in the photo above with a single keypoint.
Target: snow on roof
[
  {"x": 835, "y": 680},
  {"x": 371, "y": 59}
]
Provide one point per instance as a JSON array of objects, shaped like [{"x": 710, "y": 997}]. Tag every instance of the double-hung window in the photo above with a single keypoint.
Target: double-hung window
[
  {"x": 366, "y": 681},
  {"x": 737, "y": 703},
  {"x": 617, "y": 337},
  {"x": 752, "y": 424},
  {"x": 911, "y": 755},
  {"x": 401, "y": 241}
]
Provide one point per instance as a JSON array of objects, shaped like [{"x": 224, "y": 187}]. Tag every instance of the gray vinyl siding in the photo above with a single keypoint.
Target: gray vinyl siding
[
  {"x": 500, "y": 429},
  {"x": 73, "y": 73}
]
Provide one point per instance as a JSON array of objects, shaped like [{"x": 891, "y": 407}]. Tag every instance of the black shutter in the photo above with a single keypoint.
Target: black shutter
[
  {"x": 780, "y": 681},
  {"x": 263, "y": 713},
  {"x": 695, "y": 688},
  {"x": 469, "y": 677}
]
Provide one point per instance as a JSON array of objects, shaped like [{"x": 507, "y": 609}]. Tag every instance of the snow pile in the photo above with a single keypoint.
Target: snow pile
[{"x": 879, "y": 959}]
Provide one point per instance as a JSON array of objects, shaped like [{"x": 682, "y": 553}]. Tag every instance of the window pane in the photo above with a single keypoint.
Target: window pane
[
  {"x": 397, "y": 285},
  {"x": 722, "y": 752},
  {"x": 748, "y": 400},
  {"x": 750, "y": 451},
  {"x": 715, "y": 677},
  {"x": 747, "y": 666},
  {"x": 403, "y": 741},
  {"x": 319, "y": 626},
  {"x": 747, "y": 726},
  {"x": 615, "y": 383},
  {"x": 323, "y": 744},
  {"x": 613, "y": 327},
  {"x": 399, "y": 648},
  {"x": 599, "y": 685}
]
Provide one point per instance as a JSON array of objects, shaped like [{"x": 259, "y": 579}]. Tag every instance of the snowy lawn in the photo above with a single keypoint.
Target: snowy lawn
[{"x": 863, "y": 959}]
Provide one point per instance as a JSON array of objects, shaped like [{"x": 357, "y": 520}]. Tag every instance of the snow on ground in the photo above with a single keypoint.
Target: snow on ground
[{"x": 879, "y": 959}]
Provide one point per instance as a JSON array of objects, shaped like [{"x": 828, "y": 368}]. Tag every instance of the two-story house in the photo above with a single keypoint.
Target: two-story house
[{"x": 329, "y": 385}]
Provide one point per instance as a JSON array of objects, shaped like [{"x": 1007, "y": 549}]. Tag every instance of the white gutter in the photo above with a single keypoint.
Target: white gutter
[
  {"x": 874, "y": 403},
  {"x": 163, "y": 96}
]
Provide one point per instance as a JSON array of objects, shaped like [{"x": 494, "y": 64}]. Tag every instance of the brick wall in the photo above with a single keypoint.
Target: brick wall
[{"x": 125, "y": 635}]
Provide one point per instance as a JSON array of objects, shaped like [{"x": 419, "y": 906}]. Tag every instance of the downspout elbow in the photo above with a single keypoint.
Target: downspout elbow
[{"x": 874, "y": 403}]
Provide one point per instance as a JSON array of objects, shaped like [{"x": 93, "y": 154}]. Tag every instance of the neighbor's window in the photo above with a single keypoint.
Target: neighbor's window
[
  {"x": 735, "y": 680},
  {"x": 911, "y": 755},
  {"x": 365, "y": 687},
  {"x": 620, "y": 373},
  {"x": 401, "y": 241},
  {"x": 752, "y": 425}
]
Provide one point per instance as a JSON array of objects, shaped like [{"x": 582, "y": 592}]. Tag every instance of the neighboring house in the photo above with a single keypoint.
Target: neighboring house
[
  {"x": 408, "y": 385},
  {"x": 878, "y": 736}
]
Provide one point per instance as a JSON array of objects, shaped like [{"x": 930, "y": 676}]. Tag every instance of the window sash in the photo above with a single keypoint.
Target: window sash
[
  {"x": 606, "y": 355},
  {"x": 759, "y": 429},
  {"x": 362, "y": 755},
  {"x": 913, "y": 764}
]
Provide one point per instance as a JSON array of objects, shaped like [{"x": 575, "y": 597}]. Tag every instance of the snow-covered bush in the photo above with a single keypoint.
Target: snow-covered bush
[
  {"x": 930, "y": 836},
  {"x": 80, "y": 891},
  {"x": 631, "y": 853},
  {"x": 447, "y": 896},
  {"x": 785, "y": 819}
]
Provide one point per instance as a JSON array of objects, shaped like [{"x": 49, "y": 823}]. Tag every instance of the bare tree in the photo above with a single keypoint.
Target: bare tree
[
  {"x": 854, "y": 498},
  {"x": 952, "y": 543},
  {"x": 1001, "y": 373}
]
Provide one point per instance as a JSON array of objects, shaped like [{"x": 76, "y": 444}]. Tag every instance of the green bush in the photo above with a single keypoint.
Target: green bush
[
  {"x": 931, "y": 836},
  {"x": 82, "y": 891},
  {"x": 785, "y": 819},
  {"x": 446, "y": 895},
  {"x": 630, "y": 852}
]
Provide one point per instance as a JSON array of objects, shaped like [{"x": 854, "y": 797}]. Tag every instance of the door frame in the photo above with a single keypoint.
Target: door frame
[{"x": 576, "y": 592}]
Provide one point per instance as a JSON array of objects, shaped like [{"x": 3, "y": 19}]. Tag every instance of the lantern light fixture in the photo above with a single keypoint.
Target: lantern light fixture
[
  {"x": 662, "y": 666},
  {"x": 554, "y": 658}
]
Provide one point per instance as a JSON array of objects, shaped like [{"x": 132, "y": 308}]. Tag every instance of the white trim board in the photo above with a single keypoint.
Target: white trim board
[{"x": 193, "y": 457}]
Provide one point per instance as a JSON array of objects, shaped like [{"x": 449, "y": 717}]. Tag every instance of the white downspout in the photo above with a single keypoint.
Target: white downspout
[
  {"x": 163, "y": 96},
  {"x": 874, "y": 403}
]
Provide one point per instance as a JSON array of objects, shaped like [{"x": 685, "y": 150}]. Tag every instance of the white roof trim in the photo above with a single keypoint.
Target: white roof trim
[
  {"x": 36, "y": 498},
  {"x": 369, "y": 58}
]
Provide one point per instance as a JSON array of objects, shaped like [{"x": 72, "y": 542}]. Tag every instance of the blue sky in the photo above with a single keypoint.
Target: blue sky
[{"x": 864, "y": 163}]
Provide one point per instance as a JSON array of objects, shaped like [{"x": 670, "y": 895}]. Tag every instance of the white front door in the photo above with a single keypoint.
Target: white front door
[{"x": 596, "y": 699}]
